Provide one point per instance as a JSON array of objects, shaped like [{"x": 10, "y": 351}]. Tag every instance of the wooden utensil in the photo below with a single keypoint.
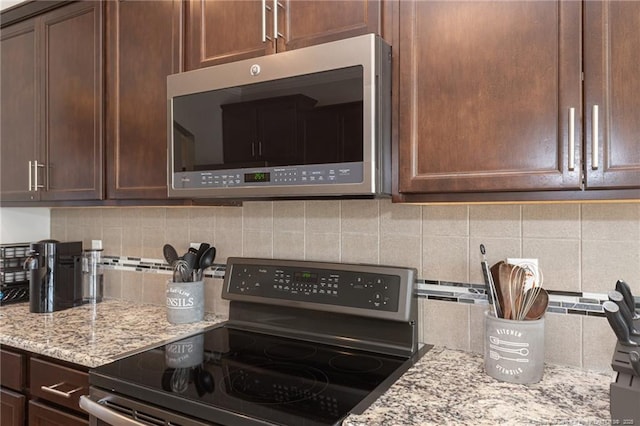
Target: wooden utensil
[{"x": 539, "y": 306}]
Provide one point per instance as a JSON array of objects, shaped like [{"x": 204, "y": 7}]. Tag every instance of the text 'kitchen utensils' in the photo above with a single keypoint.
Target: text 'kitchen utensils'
[{"x": 514, "y": 324}]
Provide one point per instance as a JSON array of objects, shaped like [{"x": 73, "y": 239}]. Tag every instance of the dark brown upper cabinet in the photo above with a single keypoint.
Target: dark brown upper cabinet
[
  {"x": 19, "y": 135},
  {"x": 142, "y": 49},
  {"x": 612, "y": 94},
  {"x": 52, "y": 120},
  {"x": 220, "y": 31},
  {"x": 490, "y": 100},
  {"x": 487, "y": 90}
]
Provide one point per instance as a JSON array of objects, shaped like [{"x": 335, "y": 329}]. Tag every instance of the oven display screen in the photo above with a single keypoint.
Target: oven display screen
[
  {"x": 306, "y": 277},
  {"x": 257, "y": 177}
]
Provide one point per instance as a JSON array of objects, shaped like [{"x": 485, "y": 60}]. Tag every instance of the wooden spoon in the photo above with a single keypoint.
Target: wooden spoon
[
  {"x": 539, "y": 306},
  {"x": 508, "y": 292},
  {"x": 502, "y": 288}
]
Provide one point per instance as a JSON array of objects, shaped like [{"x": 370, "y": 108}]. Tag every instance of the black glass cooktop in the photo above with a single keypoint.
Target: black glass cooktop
[{"x": 228, "y": 372}]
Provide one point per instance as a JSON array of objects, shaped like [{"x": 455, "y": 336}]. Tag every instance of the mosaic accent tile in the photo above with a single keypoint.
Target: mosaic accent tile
[{"x": 561, "y": 302}]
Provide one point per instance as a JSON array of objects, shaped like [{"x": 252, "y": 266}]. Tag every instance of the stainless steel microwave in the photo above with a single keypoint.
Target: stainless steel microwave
[{"x": 311, "y": 122}]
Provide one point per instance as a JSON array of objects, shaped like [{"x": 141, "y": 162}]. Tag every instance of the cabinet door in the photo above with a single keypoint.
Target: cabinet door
[
  {"x": 12, "y": 408},
  {"x": 612, "y": 85},
  {"x": 72, "y": 108},
  {"x": 18, "y": 130},
  {"x": 307, "y": 22},
  {"x": 44, "y": 415},
  {"x": 143, "y": 47},
  {"x": 485, "y": 94},
  {"x": 220, "y": 31}
]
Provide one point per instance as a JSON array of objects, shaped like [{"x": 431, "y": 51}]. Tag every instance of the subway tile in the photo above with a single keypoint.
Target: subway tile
[
  {"x": 401, "y": 250},
  {"x": 132, "y": 286},
  {"x": 154, "y": 288},
  {"x": 59, "y": 232},
  {"x": 257, "y": 244},
  {"x": 497, "y": 249},
  {"x": 445, "y": 258},
  {"x": 554, "y": 221},
  {"x": 228, "y": 218},
  {"x": 445, "y": 220},
  {"x": 604, "y": 262},
  {"x": 322, "y": 247},
  {"x": 112, "y": 284},
  {"x": 499, "y": 221},
  {"x": 288, "y": 216},
  {"x": 322, "y": 216},
  {"x": 563, "y": 339},
  {"x": 288, "y": 245},
  {"x": 359, "y": 248},
  {"x": 112, "y": 217},
  {"x": 399, "y": 219},
  {"x": 228, "y": 243},
  {"x": 257, "y": 216},
  {"x": 611, "y": 222},
  {"x": 559, "y": 261},
  {"x": 477, "y": 327},
  {"x": 153, "y": 239},
  {"x": 201, "y": 219},
  {"x": 58, "y": 218},
  {"x": 598, "y": 343},
  {"x": 112, "y": 241},
  {"x": 446, "y": 324},
  {"x": 132, "y": 217},
  {"x": 132, "y": 241},
  {"x": 360, "y": 216}
]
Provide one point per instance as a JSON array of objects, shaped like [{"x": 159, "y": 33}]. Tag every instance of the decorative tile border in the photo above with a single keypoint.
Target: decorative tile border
[
  {"x": 153, "y": 266},
  {"x": 560, "y": 302}
]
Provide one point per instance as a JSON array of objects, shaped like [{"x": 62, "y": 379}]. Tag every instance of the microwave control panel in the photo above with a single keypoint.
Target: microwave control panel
[
  {"x": 347, "y": 288},
  {"x": 314, "y": 174}
]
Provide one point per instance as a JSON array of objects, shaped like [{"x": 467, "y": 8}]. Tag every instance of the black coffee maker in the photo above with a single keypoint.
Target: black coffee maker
[{"x": 55, "y": 275}]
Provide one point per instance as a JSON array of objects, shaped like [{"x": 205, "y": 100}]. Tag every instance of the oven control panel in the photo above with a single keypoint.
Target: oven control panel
[{"x": 345, "y": 287}]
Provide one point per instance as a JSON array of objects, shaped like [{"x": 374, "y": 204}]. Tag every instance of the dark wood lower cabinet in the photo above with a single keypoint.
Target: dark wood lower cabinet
[
  {"x": 44, "y": 415},
  {"x": 12, "y": 408},
  {"x": 38, "y": 391}
]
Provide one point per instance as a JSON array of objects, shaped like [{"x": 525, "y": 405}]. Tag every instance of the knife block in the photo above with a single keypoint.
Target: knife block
[{"x": 624, "y": 393}]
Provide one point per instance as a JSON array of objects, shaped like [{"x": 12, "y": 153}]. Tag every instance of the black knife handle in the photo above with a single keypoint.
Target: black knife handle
[
  {"x": 612, "y": 312},
  {"x": 625, "y": 290},
  {"x": 618, "y": 299}
]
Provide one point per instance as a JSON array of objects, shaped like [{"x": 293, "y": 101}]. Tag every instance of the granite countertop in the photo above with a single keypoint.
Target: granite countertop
[
  {"x": 445, "y": 387},
  {"x": 92, "y": 335},
  {"x": 450, "y": 387}
]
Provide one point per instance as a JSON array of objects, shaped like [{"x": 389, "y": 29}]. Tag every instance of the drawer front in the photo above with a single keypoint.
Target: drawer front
[
  {"x": 58, "y": 384},
  {"x": 12, "y": 370},
  {"x": 43, "y": 415}
]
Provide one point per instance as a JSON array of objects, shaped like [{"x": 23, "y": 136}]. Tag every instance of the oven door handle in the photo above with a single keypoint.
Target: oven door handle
[{"x": 106, "y": 415}]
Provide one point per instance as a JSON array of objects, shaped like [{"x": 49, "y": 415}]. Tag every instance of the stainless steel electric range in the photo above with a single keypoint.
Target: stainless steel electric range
[{"x": 306, "y": 343}]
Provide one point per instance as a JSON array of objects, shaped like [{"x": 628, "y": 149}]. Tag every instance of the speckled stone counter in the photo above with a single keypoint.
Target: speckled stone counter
[
  {"x": 451, "y": 387},
  {"x": 92, "y": 335},
  {"x": 444, "y": 387}
]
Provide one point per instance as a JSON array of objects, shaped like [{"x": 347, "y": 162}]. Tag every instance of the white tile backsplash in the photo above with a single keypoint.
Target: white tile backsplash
[{"x": 581, "y": 248}]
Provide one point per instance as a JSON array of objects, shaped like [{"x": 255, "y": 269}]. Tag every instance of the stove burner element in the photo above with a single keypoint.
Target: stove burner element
[
  {"x": 355, "y": 363},
  {"x": 290, "y": 351},
  {"x": 275, "y": 383}
]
